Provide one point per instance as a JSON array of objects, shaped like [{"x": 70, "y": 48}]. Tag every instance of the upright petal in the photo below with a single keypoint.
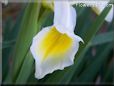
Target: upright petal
[{"x": 64, "y": 16}]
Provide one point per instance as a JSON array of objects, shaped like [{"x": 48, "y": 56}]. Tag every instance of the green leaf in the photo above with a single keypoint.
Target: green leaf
[
  {"x": 108, "y": 77},
  {"x": 89, "y": 74},
  {"x": 28, "y": 30},
  {"x": 81, "y": 19},
  {"x": 102, "y": 38},
  {"x": 42, "y": 20},
  {"x": 88, "y": 37},
  {"x": 25, "y": 70},
  {"x": 96, "y": 25},
  {"x": 10, "y": 31}
]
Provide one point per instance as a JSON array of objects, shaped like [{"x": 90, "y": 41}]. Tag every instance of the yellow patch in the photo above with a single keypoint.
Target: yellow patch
[{"x": 55, "y": 43}]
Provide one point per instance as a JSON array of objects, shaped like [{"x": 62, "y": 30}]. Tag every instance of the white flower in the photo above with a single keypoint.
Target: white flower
[
  {"x": 98, "y": 7},
  {"x": 54, "y": 47}
]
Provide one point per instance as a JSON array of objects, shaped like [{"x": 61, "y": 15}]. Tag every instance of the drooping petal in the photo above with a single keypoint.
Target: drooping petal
[
  {"x": 64, "y": 16},
  {"x": 53, "y": 50}
]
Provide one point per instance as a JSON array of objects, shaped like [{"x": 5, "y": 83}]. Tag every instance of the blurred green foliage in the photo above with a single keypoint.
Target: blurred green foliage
[{"x": 93, "y": 60}]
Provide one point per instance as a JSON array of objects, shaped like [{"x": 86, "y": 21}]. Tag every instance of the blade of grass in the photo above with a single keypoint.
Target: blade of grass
[
  {"x": 42, "y": 20},
  {"x": 108, "y": 77},
  {"x": 89, "y": 74},
  {"x": 89, "y": 59},
  {"x": 81, "y": 19},
  {"x": 9, "y": 42},
  {"x": 96, "y": 25},
  {"x": 27, "y": 66},
  {"x": 28, "y": 30},
  {"x": 103, "y": 38}
]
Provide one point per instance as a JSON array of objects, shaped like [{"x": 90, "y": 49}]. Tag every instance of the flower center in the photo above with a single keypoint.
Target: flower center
[{"x": 55, "y": 43}]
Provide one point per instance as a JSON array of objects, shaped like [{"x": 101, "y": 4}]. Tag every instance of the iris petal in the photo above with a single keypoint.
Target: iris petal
[
  {"x": 64, "y": 16},
  {"x": 53, "y": 51}
]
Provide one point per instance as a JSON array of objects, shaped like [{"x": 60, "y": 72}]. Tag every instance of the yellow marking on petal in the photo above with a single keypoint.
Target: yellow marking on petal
[{"x": 55, "y": 43}]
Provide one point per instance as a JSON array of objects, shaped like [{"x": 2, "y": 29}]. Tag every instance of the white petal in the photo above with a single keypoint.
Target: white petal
[
  {"x": 70, "y": 34},
  {"x": 64, "y": 16},
  {"x": 101, "y": 7},
  {"x": 52, "y": 63},
  {"x": 110, "y": 15},
  {"x": 36, "y": 42}
]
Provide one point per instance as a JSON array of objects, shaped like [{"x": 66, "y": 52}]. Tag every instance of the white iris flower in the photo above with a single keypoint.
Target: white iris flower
[
  {"x": 99, "y": 8},
  {"x": 54, "y": 47}
]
